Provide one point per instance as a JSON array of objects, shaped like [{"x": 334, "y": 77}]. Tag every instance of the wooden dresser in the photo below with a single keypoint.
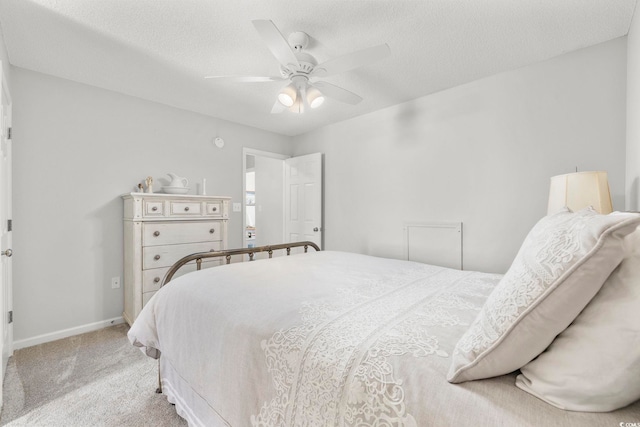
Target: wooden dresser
[{"x": 159, "y": 229}]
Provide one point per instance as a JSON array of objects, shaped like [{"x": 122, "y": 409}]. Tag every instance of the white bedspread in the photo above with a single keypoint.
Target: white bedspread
[{"x": 331, "y": 339}]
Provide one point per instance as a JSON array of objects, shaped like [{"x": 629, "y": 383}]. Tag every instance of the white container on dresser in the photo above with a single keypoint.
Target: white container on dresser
[{"x": 159, "y": 229}]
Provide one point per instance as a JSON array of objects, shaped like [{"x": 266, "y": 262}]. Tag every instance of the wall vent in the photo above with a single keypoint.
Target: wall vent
[{"x": 436, "y": 243}]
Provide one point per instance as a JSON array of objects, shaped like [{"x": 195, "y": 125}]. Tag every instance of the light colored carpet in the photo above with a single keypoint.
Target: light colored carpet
[{"x": 93, "y": 379}]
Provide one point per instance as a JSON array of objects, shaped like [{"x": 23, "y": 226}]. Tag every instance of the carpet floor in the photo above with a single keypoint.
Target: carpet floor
[{"x": 93, "y": 379}]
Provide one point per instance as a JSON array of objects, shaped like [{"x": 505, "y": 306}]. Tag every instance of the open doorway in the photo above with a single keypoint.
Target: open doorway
[{"x": 263, "y": 184}]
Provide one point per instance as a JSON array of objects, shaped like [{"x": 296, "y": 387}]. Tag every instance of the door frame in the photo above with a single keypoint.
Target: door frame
[
  {"x": 253, "y": 152},
  {"x": 6, "y": 347}
]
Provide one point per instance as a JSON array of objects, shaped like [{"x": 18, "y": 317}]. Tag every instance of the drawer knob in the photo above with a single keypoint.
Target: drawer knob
[
  {"x": 156, "y": 280},
  {"x": 186, "y": 208},
  {"x": 155, "y": 208},
  {"x": 213, "y": 230},
  {"x": 157, "y": 257},
  {"x": 156, "y": 233},
  {"x": 215, "y": 208}
]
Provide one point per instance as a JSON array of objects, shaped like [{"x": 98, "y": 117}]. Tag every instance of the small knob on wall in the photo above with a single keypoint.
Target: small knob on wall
[{"x": 7, "y": 253}]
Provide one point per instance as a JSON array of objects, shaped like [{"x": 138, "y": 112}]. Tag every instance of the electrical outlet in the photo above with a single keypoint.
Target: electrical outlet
[
  {"x": 115, "y": 282},
  {"x": 237, "y": 207}
]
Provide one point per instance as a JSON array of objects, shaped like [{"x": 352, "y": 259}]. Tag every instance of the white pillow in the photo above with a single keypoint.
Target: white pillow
[
  {"x": 594, "y": 365},
  {"x": 562, "y": 263}
]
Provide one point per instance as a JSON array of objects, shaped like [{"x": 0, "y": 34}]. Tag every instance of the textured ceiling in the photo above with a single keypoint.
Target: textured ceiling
[{"x": 160, "y": 49}]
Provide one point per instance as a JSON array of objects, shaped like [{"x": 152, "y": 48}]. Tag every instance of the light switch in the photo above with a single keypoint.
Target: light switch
[{"x": 237, "y": 207}]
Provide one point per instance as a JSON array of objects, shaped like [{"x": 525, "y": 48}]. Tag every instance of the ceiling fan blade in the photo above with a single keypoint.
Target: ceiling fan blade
[
  {"x": 352, "y": 60},
  {"x": 337, "y": 93},
  {"x": 278, "y": 108},
  {"x": 245, "y": 79},
  {"x": 276, "y": 42}
]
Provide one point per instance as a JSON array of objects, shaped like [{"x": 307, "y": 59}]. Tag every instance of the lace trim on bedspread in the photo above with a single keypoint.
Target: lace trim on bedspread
[{"x": 335, "y": 368}]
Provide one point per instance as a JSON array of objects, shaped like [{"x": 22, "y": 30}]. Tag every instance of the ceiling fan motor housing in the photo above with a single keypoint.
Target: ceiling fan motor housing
[{"x": 306, "y": 65}]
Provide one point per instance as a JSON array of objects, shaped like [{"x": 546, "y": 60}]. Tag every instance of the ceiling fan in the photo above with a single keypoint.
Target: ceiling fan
[{"x": 301, "y": 70}]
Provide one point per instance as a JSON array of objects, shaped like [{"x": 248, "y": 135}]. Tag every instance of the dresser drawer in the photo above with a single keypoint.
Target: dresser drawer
[
  {"x": 152, "y": 279},
  {"x": 170, "y": 233},
  {"x": 185, "y": 208},
  {"x": 166, "y": 256},
  {"x": 146, "y": 297},
  {"x": 153, "y": 208},
  {"x": 213, "y": 208}
]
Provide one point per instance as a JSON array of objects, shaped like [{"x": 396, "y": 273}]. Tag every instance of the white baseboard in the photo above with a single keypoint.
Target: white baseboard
[{"x": 52, "y": 336}]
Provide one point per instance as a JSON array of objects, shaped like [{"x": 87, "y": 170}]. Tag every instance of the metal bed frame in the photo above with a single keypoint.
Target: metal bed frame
[{"x": 227, "y": 254}]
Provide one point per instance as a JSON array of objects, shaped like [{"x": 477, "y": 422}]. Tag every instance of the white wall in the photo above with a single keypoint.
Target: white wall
[
  {"x": 4, "y": 57},
  {"x": 76, "y": 150},
  {"x": 633, "y": 115},
  {"x": 481, "y": 153}
]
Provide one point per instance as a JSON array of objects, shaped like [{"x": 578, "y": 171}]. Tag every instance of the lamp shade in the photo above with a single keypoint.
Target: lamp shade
[
  {"x": 580, "y": 190},
  {"x": 288, "y": 95},
  {"x": 314, "y": 97}
]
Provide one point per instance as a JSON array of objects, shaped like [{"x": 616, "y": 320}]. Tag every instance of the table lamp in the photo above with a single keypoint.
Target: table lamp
[{"x": 579, "y": 190}]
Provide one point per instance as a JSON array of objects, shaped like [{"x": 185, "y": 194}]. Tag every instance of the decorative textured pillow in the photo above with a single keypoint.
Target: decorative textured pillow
[
  {"x": 594, "y": 365},
  {"x": 562, "y": 263}
]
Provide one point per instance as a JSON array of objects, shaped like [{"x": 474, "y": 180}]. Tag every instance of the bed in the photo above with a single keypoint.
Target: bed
[{"x": 333, "y": 339}]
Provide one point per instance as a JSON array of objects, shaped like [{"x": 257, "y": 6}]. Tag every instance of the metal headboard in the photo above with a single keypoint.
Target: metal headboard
[{"x": 227, "y": 254}]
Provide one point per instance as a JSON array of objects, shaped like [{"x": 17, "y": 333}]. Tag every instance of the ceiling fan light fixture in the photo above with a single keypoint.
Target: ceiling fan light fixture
[
  {"x": 288, "y": 95},
  {"x": 298, "y": 106},
  {"x": 315, "y": 98}
]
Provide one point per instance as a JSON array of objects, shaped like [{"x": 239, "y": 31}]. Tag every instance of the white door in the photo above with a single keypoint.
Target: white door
[
  {"x": 303, "y": 199},
  {"x": 6, "y": 296}
]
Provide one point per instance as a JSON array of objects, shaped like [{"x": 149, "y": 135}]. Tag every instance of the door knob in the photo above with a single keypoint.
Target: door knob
[
  {"x": 8, "y": 253},
  {"x": 315, "y": 229}
]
